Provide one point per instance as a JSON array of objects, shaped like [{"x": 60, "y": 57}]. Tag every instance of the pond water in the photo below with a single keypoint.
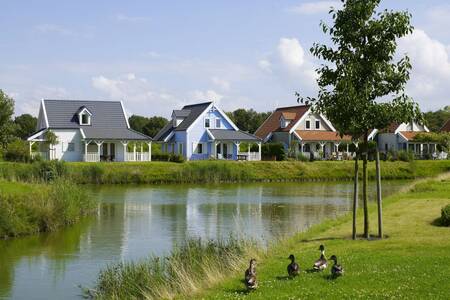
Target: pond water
[{"x": 135, "y": 221}]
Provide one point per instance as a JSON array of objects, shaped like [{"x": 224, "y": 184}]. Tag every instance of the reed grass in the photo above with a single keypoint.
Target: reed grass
[
  {"x": 212, "y": 171},
  {"x": 189, "y": 268},
  {"x": 33, "y": 208}
]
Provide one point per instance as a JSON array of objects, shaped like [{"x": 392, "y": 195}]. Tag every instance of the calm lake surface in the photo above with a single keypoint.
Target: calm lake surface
[{"x": 135, "y": 221}]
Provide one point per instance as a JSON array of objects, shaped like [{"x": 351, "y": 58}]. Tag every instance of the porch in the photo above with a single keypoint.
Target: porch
[
  {"x": 333, "y": 150},
  {"x": 96, "y": 151}
]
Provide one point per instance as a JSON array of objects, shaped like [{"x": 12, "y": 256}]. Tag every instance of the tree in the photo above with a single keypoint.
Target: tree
[
  {"x": 248, "y": 120},
  {"x": 25, "y": 125},
  {"x": 6, "y": 123},
  {"x": 436, "y": 119},
  {"x": 147, "y": 126},
  {"x": 360, "y": 71}
]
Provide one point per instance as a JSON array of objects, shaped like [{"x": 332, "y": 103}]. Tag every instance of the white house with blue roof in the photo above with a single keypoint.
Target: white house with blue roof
[
  {"x": 88, "y": 131},
  {"x": 203, "y": 131}
]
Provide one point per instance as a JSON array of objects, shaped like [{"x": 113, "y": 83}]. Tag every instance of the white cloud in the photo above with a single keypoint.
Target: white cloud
[
  {"x": 61, "y": 30},
  {"x": 130, "y": 19},
  {"x": 137, "y": 93},
  {"x": 203, "y": 96},
  {"x": 290, "y": 63},
  {"x": 314, "y": 7},
  {"x": 221, "y": 83},
  {"x": 430, "y": 75}
]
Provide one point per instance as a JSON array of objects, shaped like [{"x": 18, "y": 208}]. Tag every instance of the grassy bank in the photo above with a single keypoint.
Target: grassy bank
[
  {"x": 186, "y": 269},
  {"x": 214, "y": 171},
  {"x": 33, "y": 208},
  {"x": 412, "y": 263}
]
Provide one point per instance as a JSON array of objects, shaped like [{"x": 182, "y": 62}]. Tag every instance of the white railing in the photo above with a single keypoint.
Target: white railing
[
  {"x": 252, "y": 156},
  {"x": 140, "y": 156},
  {"x": 42, "y": 155},
  {"x": 91, "y": 157}
]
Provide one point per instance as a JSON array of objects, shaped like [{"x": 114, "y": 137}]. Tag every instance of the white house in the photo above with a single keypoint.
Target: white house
[
  {"x": 88, "y": 131},
  {"x": 203, "y": 131},
  {"x": 305, "y": 132},
  {"x": 398, "y": 137}
]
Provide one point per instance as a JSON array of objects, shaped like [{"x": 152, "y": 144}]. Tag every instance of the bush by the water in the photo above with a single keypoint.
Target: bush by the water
[
  {"x": 195, "y": 265},
  {"x": 405, "y": 155},
  {"x": 27, "y": 209},
  {"x": 445, "y": 216},
  {"x": 168, "y": 157}
]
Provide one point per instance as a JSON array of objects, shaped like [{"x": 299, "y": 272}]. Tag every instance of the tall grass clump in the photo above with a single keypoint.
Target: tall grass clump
[
  {"x": 41, "y": 208},
  {"x": 445, "y": 216},
  {"x": 187, "y": 269}
]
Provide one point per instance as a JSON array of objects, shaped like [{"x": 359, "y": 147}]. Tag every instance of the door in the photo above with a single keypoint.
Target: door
[
  {"x": 112, "y": 151},
  {"x": 225, "y": 151}
]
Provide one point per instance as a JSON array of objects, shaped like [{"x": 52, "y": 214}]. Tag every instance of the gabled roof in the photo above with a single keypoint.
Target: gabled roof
[
  {"x": 105, "y": 114},
  {"x": 83, "y": 108},
  {"x": 232, "y": 135},
  {"x": 273, "y": 121},
  {"x": 190, "y": 114},
  {"x": 446, "y": 126},
  {"x": 321, "y": 135},
  {"x": 113, "y": 134},
  {"x": 288, "y": 115}
]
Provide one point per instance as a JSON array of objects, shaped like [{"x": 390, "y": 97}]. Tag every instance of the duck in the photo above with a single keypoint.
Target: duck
[
  {"x": 293, "y": 268},
  {"x": 337, "y": 270},
  {"x": 250, "y": 275},
  {"x": 321, "y": 263}
]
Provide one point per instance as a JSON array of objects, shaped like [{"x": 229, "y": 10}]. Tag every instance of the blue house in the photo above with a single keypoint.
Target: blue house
[{"x": 203, "y": 131}]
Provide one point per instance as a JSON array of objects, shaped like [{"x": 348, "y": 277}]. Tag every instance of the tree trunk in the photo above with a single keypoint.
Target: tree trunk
[
  {"x": 355, "y": 197},
  {"x": 365, "y": 183},
  {"x": 379, "y": 204}
]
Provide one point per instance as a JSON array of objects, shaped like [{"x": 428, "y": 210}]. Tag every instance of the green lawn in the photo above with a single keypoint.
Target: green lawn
[{"x": 412, "y": 263}]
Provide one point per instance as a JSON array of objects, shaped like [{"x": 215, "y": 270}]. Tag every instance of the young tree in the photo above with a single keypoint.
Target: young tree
[
  {"x": 6, "y": 123},
  {"x": 148, "y": 126},
  {"x": 360, "y": 71}
]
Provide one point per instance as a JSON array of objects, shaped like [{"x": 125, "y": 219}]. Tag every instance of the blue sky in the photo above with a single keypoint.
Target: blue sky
[{"x": 157, "y": 56}]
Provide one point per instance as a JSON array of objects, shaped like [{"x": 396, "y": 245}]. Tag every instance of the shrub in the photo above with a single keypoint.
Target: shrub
[
  {"x": 405, "y": 155},
  {"x": 18, "y": 150},
  {"x": 167, "y": 157},
  {"x": 273, "y": 150},
  {"x": 445, "y": 215},
  {"x": 49, "y": 170},
  {"x": 94, "y": 172},
  {"x": 302, "y": 157}
]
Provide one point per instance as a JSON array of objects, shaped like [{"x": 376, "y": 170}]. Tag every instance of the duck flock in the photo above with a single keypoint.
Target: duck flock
[{"x": 293, "y": 269}]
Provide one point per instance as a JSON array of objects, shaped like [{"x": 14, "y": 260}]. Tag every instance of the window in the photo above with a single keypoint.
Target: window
[
  {"x": 180, "y": 149},
  {"x": 207, "y": 125},
  {"x": 317, "y": 124},
  {"x": 85, "y": 119},
  {"x": 199, "y": 148},
  {"x": 71, "y": 147},
  {"x": 308, "y": 124},
  {"x": 218, "y": 123},
  {"x": 306, "y": 148}
]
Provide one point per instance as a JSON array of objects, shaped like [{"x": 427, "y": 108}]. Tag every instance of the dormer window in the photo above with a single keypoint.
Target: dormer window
[
  {"x": 308, "y": 124},
  {"x": 207, "y": 124},
  {"x": 317, "y": 124},
  {"x": 284, "y": 123},
  {"x": 84, "y": 116}
]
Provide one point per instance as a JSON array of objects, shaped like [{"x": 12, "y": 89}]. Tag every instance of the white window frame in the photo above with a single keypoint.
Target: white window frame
[
  {"x": 306, "y": 124},
  {"x": 317, "y": 122},
  {"x": 209, "y": 122},
  {"x": 220, "y": 123},
  {"x": 195, "y": 148},
  {"x": 88, "y": 119}
]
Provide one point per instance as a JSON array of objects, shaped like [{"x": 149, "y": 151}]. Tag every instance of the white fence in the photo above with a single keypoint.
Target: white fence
[
  {"x": 42, "y": 155},
  {"x": 91, "y": 157},
  {"x": 140, "y": 156},
  {"x": 252, "y": 156}
]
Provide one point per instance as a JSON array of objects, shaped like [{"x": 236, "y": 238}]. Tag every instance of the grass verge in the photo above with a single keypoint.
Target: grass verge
[
  {"x": 213, "y": 171},
  {"x": 412, "y": 263},
  {"x": 33, "y": 208}
]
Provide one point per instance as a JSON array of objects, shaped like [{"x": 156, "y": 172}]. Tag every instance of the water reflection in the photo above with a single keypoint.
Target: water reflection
[{"x": 134, "y": 221}]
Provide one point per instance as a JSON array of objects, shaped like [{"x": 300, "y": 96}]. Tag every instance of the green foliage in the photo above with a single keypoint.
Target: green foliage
[
  {"x": 441, "y": 138},
  {"x": 51, "y": 138},
  {"x": 247, "y": 119},
  {"x": 302, "y": 157},
  {"x": 360, "y": 69},
  {"x": 187, "y": 268},
  {"x": 168, "y": 157},
  {"x": 17, "y": 150},
  {"x": 436, "y": 119},
  {"x": 32, "y": 209},
  {"x": 445, "y": 216},
  {"x": 25, "y": 126},
  {"x": 45, "y": 170},
  {"x": 269, "y": 151},
  {"x": 405, "y": 155},
  {"x": 6, "y": 123},
  {"x": 147, "y": 126}
]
